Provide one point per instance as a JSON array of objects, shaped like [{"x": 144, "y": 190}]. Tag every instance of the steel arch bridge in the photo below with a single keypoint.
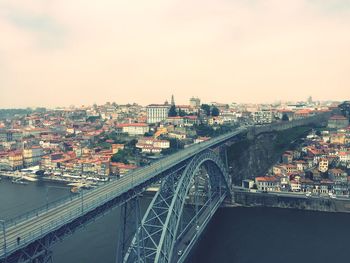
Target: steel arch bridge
[{"x": 168, "y": 230}]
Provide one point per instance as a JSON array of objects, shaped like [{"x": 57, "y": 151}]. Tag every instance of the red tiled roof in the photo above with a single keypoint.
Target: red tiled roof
[
  {"x": 338, "y": 117},
  {"x": 266, "y": 179}
]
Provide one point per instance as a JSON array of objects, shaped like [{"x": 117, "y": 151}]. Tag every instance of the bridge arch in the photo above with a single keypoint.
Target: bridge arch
[{"x": 159, "y": 231}]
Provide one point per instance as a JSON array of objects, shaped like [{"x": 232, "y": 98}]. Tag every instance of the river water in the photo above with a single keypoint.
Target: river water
[{"x": 235, "y": 235}]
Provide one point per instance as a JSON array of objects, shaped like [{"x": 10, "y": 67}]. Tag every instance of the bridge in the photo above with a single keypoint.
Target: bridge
[{"x": 193, "y": 184}]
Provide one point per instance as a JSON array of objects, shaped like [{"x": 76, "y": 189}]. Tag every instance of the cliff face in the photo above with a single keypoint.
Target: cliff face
[{"x": 248, "y": 159}]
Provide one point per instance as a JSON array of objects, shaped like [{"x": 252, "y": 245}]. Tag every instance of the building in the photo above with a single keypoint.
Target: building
[
  {"x": 133, "y": 128},
  {"x": 295, "y": 185},
  {"x": 195, "y": 103},
  {"x": 323, "y": 165},
  {"x": 247, "y": 183},
  {"x": 288, "y": 113},
  {"x": 344, "y": 157},
  {"x": 151, "y": 145},
  {"x": 337, "y": 138},
  {"x": 157, "y": 112},
  {"x": 215, "y": 121},
  {"x": 10, "y": 135},
  {"x": 338, "y": 122},
  {"x": 340, "y": 179},
  {"x": 32, "y": 156},
  {"x": 263, "y": 117},
  {"x": 116, "y": 147},
  {"x": 120, "y": 169},
  {"x": 303, "y": 113},
  {"x": 268, "y": 183},
  {"x": 15, "y": 160},
  {"x": 287, "y": 158}
]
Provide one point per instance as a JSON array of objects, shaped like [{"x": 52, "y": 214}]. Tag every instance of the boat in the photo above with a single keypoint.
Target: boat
[
  {"x": 29, "y": 178},
  {"x": 18, "y": 180}
]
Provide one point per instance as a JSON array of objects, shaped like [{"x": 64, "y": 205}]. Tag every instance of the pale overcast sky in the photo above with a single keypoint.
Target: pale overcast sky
[{"x": 63, "y": 52}]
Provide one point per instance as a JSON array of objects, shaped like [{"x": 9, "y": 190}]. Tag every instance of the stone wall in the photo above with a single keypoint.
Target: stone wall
[{"x": 294, "y": 202}]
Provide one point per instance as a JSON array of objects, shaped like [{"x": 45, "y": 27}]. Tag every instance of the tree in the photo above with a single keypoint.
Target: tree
[
  {"x": 204, "y": 130},
  {"x": 345, "y": 108},
  {"x": 206, "y": 109},
  {"x": 285, "y": 117},
  {"x": 175, "y": 145},
  {"x": 93, "y": 118},
  {"x": 131, "y": 144},
  {"x": 182, "y": 113},
  {"x": 172, "y": 111},
  {"x": 149, "y": 134},
  {"x": 120, "y": 157},
  {"x": 215, "y": 111}
]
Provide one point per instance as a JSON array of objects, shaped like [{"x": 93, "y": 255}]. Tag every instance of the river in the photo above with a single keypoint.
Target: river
[{"x": 235, "y": 235}]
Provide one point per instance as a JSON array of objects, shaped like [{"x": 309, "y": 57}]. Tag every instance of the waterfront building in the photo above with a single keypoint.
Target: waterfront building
[
  {"x": 340, "y": 179},
  {"x": 15, "y": 160},
  {"x": 268, "y": 183},
  {"x": 32, "y": 156},
  {"x": 295, "y": 185},
  {"x": 306, "y": 185}
]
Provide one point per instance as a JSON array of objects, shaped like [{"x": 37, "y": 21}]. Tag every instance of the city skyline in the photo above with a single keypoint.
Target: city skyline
[{"x": 53, "y": 54}]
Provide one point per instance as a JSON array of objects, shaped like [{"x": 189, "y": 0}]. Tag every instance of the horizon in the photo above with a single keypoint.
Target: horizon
[
  {"x": 77, "y": 106},
  {"x": 53, "y": 54}
]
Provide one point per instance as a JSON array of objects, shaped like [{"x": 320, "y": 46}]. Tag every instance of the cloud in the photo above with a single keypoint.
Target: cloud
[{"x": 84, "y": 51}]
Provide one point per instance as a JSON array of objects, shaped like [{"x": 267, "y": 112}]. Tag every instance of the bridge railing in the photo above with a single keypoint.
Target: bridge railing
[{"x": 9, "y": 222}]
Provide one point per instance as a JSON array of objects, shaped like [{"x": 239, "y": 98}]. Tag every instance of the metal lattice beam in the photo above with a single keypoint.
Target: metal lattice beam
[{"x": 159, "y": 229}]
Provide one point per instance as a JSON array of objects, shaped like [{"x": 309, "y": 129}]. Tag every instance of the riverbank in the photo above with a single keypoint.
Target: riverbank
[{"x": 291, "y": 201}]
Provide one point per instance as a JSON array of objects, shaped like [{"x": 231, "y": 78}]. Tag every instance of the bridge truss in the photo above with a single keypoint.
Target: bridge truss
[{"x": 184, "y": 204}]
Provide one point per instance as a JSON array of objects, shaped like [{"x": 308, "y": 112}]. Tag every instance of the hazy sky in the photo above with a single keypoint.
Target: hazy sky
[{"x": 62, "y": 52}]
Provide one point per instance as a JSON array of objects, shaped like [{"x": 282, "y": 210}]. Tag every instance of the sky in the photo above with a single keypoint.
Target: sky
[{"x": 64, "y": 52}]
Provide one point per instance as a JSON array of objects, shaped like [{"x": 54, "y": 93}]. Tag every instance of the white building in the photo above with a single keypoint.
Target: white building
[
  {"x": 134, "y": 128},
  {"x": 263, "y": 117},
  {"x": 157, "y": 112},
  {"x": 151, "y": 145},
  {"x": 323, "y": 165}
]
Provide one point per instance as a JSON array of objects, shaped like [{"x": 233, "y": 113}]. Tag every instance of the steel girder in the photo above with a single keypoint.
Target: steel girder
[
  {"x": 39, "y": 251},
  {"x": 158, "y": 232}
]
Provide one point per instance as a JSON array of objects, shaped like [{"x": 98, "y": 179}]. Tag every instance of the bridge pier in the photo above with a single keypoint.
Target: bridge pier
[{"x": 130, "y": 218}]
